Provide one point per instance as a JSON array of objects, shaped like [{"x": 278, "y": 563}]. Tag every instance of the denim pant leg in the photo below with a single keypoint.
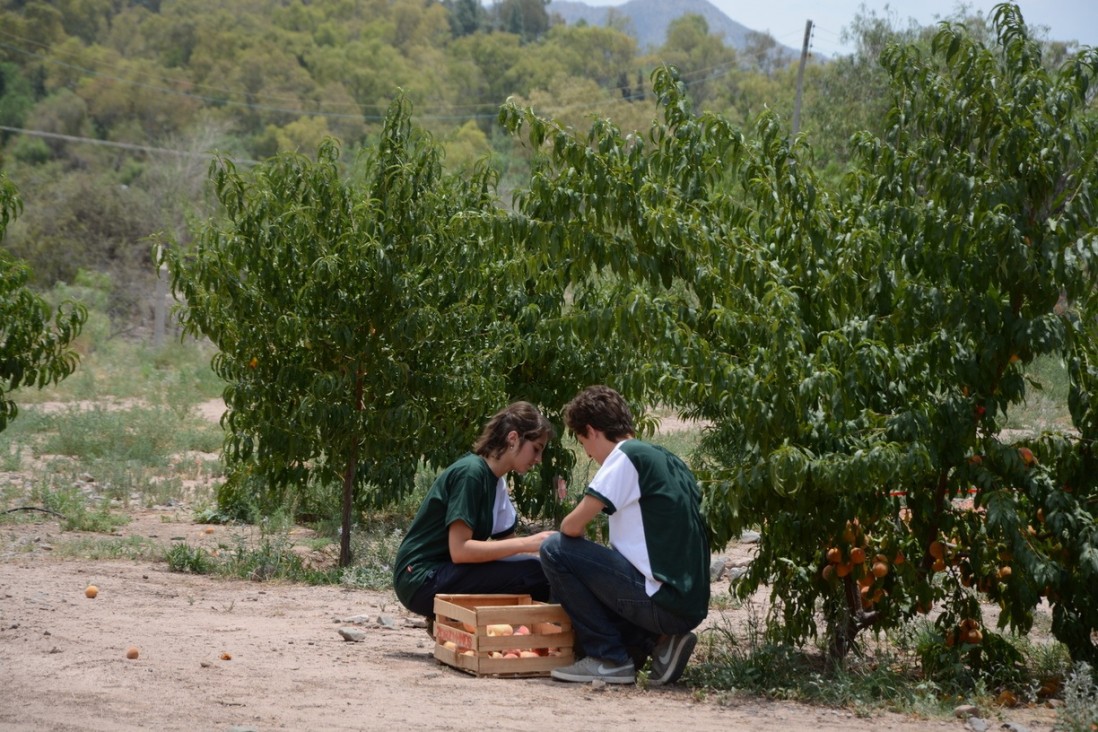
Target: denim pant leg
[
  {"x": 511, "y": 576},
  {"x": 604, "y": 596}
]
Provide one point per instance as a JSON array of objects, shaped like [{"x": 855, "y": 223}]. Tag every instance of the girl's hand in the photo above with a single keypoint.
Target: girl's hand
[{"x": 536, "y": 540}]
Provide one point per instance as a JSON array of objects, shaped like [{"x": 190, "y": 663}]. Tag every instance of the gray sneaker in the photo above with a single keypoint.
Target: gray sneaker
[
  {"x": 669, "y": 658},
  {"x": 595, "y": 669}
]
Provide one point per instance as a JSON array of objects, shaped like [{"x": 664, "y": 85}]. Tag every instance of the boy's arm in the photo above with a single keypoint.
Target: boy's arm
[{"x": 576, "y": 522}]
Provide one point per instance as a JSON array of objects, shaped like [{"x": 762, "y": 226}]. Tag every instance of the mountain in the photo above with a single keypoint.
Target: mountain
[{"x": 649, "y": 20}]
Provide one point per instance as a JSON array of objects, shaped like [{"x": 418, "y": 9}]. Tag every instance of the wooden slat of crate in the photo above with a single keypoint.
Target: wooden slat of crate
[
  {"x": 495, "y": 609},
  {"x": 452, "y": 612},
  {"x": 513, "y": 667}
]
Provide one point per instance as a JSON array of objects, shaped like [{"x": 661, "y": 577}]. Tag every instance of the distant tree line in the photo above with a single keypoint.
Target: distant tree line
[{"x": 110, "y": 109}]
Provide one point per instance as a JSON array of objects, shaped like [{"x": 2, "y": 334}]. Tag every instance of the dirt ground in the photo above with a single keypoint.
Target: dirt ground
[{"x": 218, "y": 654}]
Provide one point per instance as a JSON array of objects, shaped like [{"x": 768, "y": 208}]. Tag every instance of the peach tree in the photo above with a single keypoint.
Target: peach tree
[
  {"x": 368, "y": 319},
  {"x": 35, "y": 340},
  {"x": 857, "y": 351}
]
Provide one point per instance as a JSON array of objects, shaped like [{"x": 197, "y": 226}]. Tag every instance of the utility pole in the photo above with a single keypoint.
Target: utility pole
[
  {"x": 800, "y": 78},
  {"x": 160, "y": 304}
]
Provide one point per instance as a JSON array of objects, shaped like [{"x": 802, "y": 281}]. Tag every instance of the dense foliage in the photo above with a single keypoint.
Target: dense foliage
[
  {"x": 370, "y": 321},
  {"x": 35, "y": 341},
  {"x": 857, "y": 350}
]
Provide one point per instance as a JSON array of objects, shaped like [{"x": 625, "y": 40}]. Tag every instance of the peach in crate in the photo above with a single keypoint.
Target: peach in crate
[{"x": 501, "y": 635}]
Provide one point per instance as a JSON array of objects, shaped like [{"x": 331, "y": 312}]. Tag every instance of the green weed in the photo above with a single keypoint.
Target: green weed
[
  {"x": 144, "y": 436},
  {"x": 1080, "y": 710},
  {"x": 273, "y": 559},
  {"x": 189, "y": 560},
  {"x": 374, "y": 553},
  {"x": 79, "y": 512},
  {"x": 137, "y": 548}
]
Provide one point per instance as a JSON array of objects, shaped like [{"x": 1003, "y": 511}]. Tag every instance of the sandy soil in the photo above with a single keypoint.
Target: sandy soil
[{"x": 217, "y": 654}]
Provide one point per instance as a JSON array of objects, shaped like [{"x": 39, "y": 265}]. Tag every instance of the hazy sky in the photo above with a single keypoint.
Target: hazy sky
[{"x": 1066, "y": 20}]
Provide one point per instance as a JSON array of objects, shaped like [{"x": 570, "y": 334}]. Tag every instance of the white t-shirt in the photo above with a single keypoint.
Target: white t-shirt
[
  {"x": 617, "y": 484},
  {"x": 504, "y": 514}
]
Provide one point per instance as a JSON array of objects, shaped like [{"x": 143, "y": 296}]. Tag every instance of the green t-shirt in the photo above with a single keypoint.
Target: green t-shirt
[
  {"x": 654, "y": 505},
  {"x": 465, "y": 491}
]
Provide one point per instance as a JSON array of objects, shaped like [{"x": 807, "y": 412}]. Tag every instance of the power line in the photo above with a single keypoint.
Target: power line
[{"x": 121, "y": 145}]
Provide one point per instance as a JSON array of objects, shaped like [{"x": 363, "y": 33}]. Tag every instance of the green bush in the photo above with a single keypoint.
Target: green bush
[{"x": 188, "y": 559}]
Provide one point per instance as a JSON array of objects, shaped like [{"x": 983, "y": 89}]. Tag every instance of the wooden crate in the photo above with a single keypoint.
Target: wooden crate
[{"x": 463, "y": 620}]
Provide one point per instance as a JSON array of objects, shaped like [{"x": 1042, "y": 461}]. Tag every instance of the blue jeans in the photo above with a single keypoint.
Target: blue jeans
[
  {"x": 613, "y": 617},
  {"x": 510, "y": 576}
]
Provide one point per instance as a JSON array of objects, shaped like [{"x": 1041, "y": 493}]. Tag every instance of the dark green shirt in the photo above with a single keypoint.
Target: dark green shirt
[
  {"x": 465, "y": 491},
  {"x": 654, "y": 505}
]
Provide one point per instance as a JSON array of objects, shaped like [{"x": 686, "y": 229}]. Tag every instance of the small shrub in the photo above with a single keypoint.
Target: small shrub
[
  {"x": 190, "y": 560},
  {"x": 373, "y": 554},
  {"x": 76, "y": 509},
  {"x": 970, "y": 667},
  {"x": 272, "y": 559},
  {"x": 1080, "y": 710}
]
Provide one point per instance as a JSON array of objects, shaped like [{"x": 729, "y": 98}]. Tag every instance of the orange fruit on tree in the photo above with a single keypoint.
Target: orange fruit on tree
[
  {"x": 939, "y": 565},
  {"x": 844, "y": 569},
  {"x": 834, "y": 555},
  {"x": 857, "y": 555},
  {"x": 828, "y": 572},
  {"x": 936, "y": 549},
  {"x": 1005, "y": 572},
  {"x": 880, "y": 569}
]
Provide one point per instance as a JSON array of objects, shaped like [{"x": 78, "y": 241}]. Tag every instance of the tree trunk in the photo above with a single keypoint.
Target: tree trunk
[{"x": 349, "y": 488}]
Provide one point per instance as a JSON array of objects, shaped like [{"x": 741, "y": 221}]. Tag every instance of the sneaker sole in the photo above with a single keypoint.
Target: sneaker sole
[
  {"x": 677, "y": 664},
  {"x": 586, "y": 678}
]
